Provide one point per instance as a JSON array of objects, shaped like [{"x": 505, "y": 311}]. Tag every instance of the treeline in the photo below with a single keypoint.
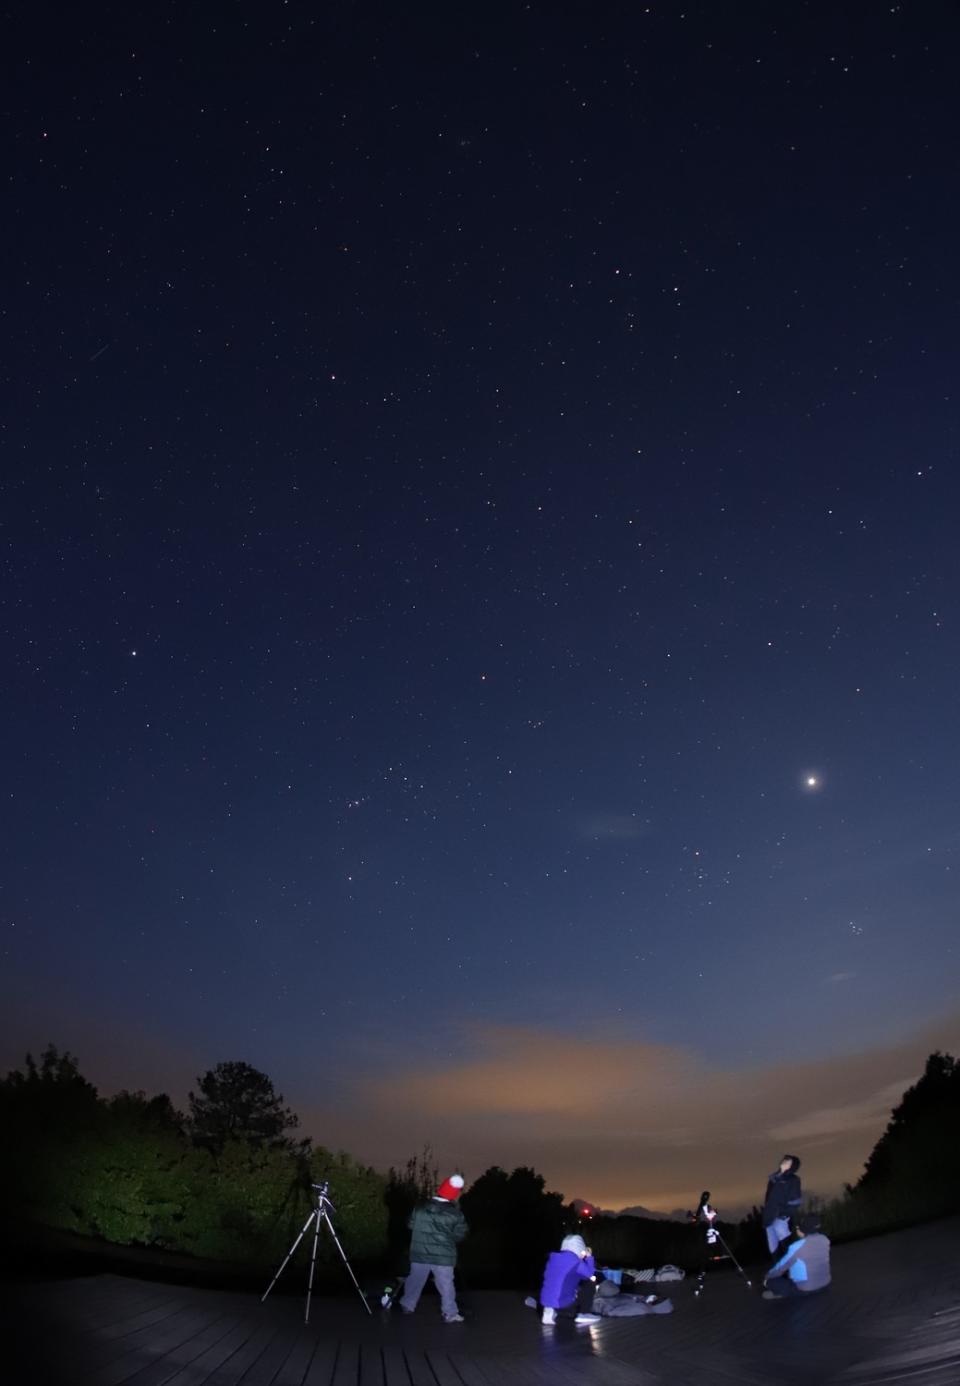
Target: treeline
[
  {"x": 226, "y": 1181},
  {"x": 229, "y": 1180},
  {"x": 911, "y": 1174}
]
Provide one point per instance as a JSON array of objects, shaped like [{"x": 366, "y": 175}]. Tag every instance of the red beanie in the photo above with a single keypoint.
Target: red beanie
[{"x": 451, "y": 1188}]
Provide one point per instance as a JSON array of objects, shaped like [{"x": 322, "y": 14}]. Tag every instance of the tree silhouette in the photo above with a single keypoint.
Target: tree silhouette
[
  {"x": 238, "y": 1102},
  {"x": 515, "y": 1220},
  {"x": 916, "y": 1155},
  {"x": 414, "y": 1183}
]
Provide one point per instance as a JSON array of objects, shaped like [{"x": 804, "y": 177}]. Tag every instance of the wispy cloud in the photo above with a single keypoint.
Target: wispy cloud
[
  {"x": 869, "y": 1114},
  {"x": 617, "y": 826},
  {"x": 622, "y": 1122}
]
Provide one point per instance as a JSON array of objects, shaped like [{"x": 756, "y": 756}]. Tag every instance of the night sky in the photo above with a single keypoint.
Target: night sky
[{"x": 479, "y": 524}]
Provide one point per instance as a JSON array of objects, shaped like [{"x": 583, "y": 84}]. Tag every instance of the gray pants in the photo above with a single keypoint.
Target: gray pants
[
  {"x": 778, "y": 1230},
  {"x": 418, "y": 1277}
]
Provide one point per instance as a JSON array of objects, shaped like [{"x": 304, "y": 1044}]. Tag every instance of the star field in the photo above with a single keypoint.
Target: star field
[{"x": 478, "y": 548}]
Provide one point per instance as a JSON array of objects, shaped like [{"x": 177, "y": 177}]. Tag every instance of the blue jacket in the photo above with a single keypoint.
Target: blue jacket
[
  {"x": 561, "y": 1277},
  {"x": 806, "y": 1261}
]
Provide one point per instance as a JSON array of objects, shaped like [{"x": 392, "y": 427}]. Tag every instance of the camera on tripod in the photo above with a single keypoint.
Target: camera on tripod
[{"x": 322, "y": 1208}]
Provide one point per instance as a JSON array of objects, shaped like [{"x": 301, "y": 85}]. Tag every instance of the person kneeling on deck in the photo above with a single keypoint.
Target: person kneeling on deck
[
  {"x": 804, "y": 1267},
  {"x": 568, "y": 1283},
  {"x": 436, "y": 1227}
]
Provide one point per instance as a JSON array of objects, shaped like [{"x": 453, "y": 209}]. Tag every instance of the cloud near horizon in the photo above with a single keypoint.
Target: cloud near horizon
[{"x": 623, "y": 1122}]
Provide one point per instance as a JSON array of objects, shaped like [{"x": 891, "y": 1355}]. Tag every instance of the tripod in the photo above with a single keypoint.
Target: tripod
[
  {"x": 321, "y": 1213},
  {"x": 707, "y": 1215}
]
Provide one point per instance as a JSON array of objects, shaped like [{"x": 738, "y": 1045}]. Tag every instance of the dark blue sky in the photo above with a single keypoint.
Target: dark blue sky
[{"x": 462, "y": 475}]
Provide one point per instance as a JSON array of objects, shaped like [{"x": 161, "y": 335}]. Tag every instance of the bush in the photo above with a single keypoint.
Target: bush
[{"x": 126, "y": 1171}]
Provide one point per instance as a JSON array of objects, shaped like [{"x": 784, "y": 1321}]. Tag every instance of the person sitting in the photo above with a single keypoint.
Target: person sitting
[
  {"x": 568, "y": 1283},
  {"x": 804, "y": 1267}
]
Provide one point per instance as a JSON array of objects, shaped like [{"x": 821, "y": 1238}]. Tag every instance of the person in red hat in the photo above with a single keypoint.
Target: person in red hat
[{"x": 436, "y": 1227}]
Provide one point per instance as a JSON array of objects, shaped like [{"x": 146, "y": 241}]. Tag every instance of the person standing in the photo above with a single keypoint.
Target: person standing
[
  {"x": 437, "y": 1227},
  {"x": 782, "y": 1201}
]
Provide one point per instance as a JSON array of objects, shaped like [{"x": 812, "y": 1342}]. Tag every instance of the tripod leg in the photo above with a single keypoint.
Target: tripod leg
[
  {"x": 701, "y": 1278},
  {"x": 343, "y": 1257},
  {"x": 734, "y": 1260},
  {"x": 303, "y": 1229},
  {"x": 313, "y": 1264}
]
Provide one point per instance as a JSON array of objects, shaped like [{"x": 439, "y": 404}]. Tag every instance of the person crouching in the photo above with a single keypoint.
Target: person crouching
[
  {"x": 436, "y": 1227},
  {"x": 568, "y": 1283}
]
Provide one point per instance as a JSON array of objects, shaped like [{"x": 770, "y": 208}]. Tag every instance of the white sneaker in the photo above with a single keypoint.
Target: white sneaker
[
  {"x": 548, "y": 1316},
  {"x": 587, "y": 1318},
  {"x": 454, "y": 1318}
]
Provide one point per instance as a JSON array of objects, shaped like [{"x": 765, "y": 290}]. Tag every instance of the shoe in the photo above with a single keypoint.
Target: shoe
[
  {"x": 768, "y": 1294},
  {"x": 587, "y": 1318},
  {"x": 454, "y": 1318},
  {"x": 548, "y": 1316},
  {"x": 529, "y": 1302},
  {"x": 651, "y": 1299}
]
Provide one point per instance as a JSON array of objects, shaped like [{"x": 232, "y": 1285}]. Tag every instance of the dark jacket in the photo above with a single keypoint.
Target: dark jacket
[
  {"x": 436, "y": 1227},
  {"x": 783, "y": 1197}
]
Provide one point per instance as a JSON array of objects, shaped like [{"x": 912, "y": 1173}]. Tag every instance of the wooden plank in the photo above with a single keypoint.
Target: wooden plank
[
  {"x": 263, "y": 1371},
  {"x": 418, "y": 1368},
  {"x": 892, "y": 1316},
  {"x": 394, "y": 1365},
  {"x": 347, "y": 1365},
  {"x": 371, "y": 1372},
  {"x": 130, "y": 1355},
  {"x": 130, "y": 1322},
  {"x": 467, "y": 1370},
  {"x": 443, "y": 1369},
  {"x": 320, "y": 1371},
  {"x": 117, "y": 1304},
  {"x": 232, "y": 1368},
  {"x": 297, "y": 1364},
  {"x": 183, "y": 1354}
]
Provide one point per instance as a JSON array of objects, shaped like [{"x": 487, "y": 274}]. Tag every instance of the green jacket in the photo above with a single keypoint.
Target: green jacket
[{"x": 436, "y": 1227}]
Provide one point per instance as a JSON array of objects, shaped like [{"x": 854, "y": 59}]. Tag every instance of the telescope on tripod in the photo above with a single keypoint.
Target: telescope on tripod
[{"x": 706, "y": 1217}]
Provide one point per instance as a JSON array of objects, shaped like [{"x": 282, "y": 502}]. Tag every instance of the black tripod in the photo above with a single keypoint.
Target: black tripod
[
  {"x": 321, "y": 1213},
  {"x": 707, "y": 1217}
]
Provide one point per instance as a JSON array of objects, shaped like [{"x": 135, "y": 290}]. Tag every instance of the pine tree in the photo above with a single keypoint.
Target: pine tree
[{"x": 238, "y": 1102}]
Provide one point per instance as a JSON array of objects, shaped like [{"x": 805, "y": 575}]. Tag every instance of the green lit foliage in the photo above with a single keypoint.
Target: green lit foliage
[
  {"x": 127, "y": 1170},
  {"x": 242, "y": 1202},
  {"x": 358, "y": 1194},
  {"x": 123, "y": 1178}
]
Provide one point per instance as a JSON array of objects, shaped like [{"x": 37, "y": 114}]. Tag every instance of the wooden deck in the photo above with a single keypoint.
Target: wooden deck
[{"x": 891, "y": 1316}]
